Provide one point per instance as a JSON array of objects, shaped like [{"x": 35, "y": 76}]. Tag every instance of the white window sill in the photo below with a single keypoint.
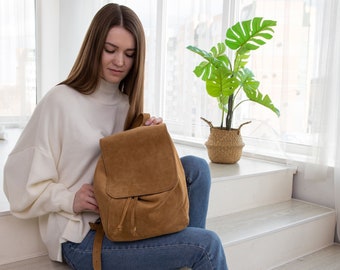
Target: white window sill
[{"x": 249, "y": 164}]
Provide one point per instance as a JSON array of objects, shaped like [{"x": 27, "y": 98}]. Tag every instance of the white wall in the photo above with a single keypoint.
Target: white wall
[
  {"x": 319, "y": 191},
  {"x": 62, "y": 25},
  {"x": 47, "y": 45}
]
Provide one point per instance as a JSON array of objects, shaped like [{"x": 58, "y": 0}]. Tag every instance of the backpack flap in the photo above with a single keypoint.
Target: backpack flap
[{"x": 155, "y": 160}]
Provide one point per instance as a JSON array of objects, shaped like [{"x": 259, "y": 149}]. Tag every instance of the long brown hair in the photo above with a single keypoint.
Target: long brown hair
[{"x": 84, "y": 75}]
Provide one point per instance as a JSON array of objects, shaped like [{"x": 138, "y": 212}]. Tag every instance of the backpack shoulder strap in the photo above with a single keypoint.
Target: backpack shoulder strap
[{"x": 97, "y": 245}]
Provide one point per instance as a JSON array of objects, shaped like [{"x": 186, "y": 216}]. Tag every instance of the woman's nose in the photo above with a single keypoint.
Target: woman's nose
[{"x": 118, "y": 60}]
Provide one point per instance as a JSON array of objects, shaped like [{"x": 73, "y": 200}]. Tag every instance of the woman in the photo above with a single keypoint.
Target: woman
[{"x": 49, "y": 173}]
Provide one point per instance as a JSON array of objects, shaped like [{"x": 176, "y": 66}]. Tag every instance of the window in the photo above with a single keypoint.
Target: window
[
  {"x": 287, "y": 67},
  {"x": 17, "y": 65}
]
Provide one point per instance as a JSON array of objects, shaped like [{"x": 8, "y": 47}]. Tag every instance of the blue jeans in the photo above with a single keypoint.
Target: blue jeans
[{"x": 194, "y": 247}]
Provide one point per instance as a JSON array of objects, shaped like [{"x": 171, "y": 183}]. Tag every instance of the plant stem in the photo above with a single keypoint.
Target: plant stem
[
  {"x": 230, "y": 112},
  {"x": 222, "y": 118}
]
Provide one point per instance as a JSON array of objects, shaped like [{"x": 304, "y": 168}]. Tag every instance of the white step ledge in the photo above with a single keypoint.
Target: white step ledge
[
  {"x": 274, "y": 234},
  {"x": 325, "y": 259}
]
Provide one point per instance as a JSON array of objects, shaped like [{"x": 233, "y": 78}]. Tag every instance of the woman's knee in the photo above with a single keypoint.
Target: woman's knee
[
  {"x": 215, "y": 250},
  {"x": 213, "y": 239},
  {"x": 196, "y": 167},
  {"x": 214, "y": 254},
  {"x": 202, "y": 237}
]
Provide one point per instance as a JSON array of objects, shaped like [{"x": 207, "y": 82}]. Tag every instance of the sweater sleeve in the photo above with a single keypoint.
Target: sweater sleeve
[
  {"x": 31, "y": 180},
  {"x": 31, "y": 185}
]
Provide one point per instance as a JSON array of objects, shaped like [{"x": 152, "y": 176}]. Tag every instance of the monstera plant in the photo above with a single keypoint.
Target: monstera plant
[{"x": 225, "y": 79}]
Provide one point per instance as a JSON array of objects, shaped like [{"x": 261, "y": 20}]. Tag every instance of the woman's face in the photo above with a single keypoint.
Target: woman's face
[{"x": 118, "y": 54}]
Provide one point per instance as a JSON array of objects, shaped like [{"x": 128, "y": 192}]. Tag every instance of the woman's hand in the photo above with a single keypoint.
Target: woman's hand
[
  {"x": 84, "y": 200},
  {"x": 153, "y": 121}
]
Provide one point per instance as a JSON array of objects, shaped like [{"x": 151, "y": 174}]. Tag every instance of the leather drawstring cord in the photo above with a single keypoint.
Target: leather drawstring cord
[
  {"x": 133, "y": 202},
  {"x": 133, "y": 216},
  {"x": 126, "y": 207}
]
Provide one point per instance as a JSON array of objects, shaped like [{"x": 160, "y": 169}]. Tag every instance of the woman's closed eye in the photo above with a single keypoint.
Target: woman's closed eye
[
  {"x": 109, "y": 51},
  {"x": 109, "y": 48},
  {"x": 131, "y": 55}
]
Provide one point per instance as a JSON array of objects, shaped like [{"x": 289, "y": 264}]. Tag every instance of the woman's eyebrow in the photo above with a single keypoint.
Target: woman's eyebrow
[{"x": 113, "y": 45}]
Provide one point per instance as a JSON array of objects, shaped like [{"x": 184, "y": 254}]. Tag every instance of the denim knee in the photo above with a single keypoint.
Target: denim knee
[
  {"x": 196, "y": 167},
  {"x": 214, "y": 250}
]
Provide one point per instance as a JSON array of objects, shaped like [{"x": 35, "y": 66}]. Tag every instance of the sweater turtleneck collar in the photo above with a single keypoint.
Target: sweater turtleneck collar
[{"x": 108, "y": 93}]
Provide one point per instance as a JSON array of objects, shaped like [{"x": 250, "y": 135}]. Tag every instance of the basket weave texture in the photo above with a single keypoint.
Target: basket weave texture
[{"x": 224, "y": 146}]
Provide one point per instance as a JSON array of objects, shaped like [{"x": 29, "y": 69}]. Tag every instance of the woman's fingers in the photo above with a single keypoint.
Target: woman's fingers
[
  {"x": 84, "y": 200},
  {"x": 153, "y": 121}
]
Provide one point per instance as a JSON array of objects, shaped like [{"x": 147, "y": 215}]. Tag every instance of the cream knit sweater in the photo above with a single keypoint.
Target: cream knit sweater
[{"x": 56, "y": 154}]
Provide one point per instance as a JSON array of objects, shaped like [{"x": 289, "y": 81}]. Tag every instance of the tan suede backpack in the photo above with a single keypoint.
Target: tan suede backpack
[{"x": 139, "y": 185}]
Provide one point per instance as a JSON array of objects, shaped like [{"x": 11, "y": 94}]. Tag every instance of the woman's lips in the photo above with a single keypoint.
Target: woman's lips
[{"x": 115, "y": 72}]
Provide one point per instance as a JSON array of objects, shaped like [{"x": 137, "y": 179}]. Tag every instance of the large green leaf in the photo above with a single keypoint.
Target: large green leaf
[
  {"x": 241, "y": 60},
  {"x": 250, "y": 34},
  {"x": 203, "y": 70},
  {"x": 220, "y": 84},
  {"x": 258, "y": 97},
  {"x": 215, "y": 59},
  {"x": 250, "y": 87},
  {"x": 246, "y": 76},
  {"x": 214, "y": 56},
  {"x": 218, "y": 50}
]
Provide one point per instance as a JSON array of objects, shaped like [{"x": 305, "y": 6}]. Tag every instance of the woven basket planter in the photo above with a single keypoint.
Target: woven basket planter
[{"x": 224, "y": 146}]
